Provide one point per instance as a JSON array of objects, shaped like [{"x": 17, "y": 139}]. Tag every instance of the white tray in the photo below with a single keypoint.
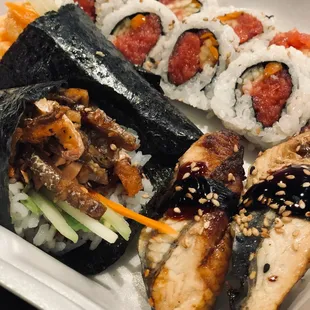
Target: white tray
[{"x": 48, "y": 284}]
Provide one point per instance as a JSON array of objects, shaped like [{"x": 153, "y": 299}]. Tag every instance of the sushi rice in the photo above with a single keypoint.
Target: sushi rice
[
  {"x": 37, "y": 229},
  {"x": 198, "y": 90},
  {"x": 236, "y": 111}
]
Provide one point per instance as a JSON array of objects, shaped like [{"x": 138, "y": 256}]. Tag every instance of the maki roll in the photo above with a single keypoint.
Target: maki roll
[
  {"x": 254, "y": 29},
  {"x": 137, "y": 28},
  {"x": 264, "y": 96},
  {"x": 196, "y": 53},
  {"x": 272, "y": 230},
  {"x": 187, "y": 270}
]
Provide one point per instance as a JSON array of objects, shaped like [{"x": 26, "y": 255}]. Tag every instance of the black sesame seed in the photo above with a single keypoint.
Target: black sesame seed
[{"x": 266, "y": 268}]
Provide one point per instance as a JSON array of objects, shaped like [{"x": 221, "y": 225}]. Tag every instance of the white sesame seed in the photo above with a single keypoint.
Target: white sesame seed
[
  {"x": 302, "y": 204},
  {"x": 280, "y": 193},
  {"x": 186, "y": 175},
  {"x": 251, "y": 257},
  {"x": 202, "y": 200},
  {"x": 200, "y": 212},
  {"x": 209, "y": 196},
  {"x": 215, "y": 202},
  {"x": 278, "y": 223},
  {"x": 197, "y": 218},
  {"x": 215, "y": 196},
  {"x": 177, "y": 210},
  {"x": 269, "y": 178},
  {"x": 231, "y": 177},
  {"x": 260, "y": 198},
  {"x": 178, "y": 188},
  {"x": 274, "y": 206},
  {"x": 245, "y": 201},
  {"x": 282, "y": 185},
  {"x": 266, "y": 222},
  {"x": 252, "y": 275},
  {"x": 249, "y": 232},
  {"x": 287, "y": 213},
  {"x": 255, "y": 232},
  {"x": 260, "y": 153},
  {"x": 113, "y": 147},
  {"x": 298, "y": 148},
  {"x": 290, "y": 177},
  {"x": 192, "y": 190},
  {"x": 245, "y": 231},
  {"x": 306, "y": 184},
  {"x": 193, "y": 165},
  {"x": 289, "y": 203},
  {"x": 286, "y": 219},
  {"x": 306, "y": 172},
  {"x": 238, "y": 220},
  {"x": 190, "y": 196},
  {"x": 196, "y": 169},
  {"x": 236, "y": 148},
  {"x": 145, "y": 196}
]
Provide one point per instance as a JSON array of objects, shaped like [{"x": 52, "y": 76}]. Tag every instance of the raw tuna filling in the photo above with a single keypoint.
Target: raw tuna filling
[
  {"x": 88, "y": 6},
  {"x": 135, "y": 36},
  {"x": 245, "y": 25},
  {"x": 294, "y": 38},
  {"x": 192, "y": 52},
  {"x": 182, "y": 8},
  {"x": 270, "y": 86}
]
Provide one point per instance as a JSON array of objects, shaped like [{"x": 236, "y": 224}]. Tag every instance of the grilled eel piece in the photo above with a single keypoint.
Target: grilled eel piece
[
  {"x": 187, "y": 270},
  {"x": 272, "y": 252}
]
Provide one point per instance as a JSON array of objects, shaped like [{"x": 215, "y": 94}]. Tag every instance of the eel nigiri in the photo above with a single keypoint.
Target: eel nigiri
[
  {"x": 271, "y": 250},
  {"x": 187, "y": 270}
]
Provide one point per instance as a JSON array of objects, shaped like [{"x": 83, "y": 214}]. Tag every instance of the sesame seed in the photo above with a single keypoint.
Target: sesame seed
[
  {"x": 178, "y": 188},
  {"x": 209, "y": 196},
  {"x": 251, "y": 257},
  {"x": 246, "y": 225},
  {"x": 244, "y": 219},
  {"x": 278, "y": 223},
  {"x": 113, "y": 147},
  {"x": 260, "y": 153},
  {"x": 146, "y": 273},
  {"x": 282, "y": 185},
  {"x": 252, "y": 275},
  {"x": 186, "y": 175},
  {"x": 295, "y": 246},
  {"x": 196, "y": 169},
  {"x": 282, "y": 209},
  {"x": 307, "y": 214},
  {"x": 193, "y": 165},
  {"x": 302, "y": 204},
  {"x": 255, "y": 232},
  {"x": 260, "y": 198},
  {"x": 200, "y": 212},
  {"x": 279, "y": 230},
  {"x": 249, "y": 232},
  {"x": 274, "y": 206},
  {"x": 242, "y": 211},
  {"x": 306, "y": 172},
  {"x": 266, "y": 222},
  {"x": 206, "y": 225},
  {"x": 188, "y": 195},
  {"x": 145, "y": 196},
  {"x": 269, "y": 178},
  {"x": 236, "y": 148},
  {"x": 250, "y": 217},
  {"x": 288, "y": 202},
  {"x": 245, "y": 231},
  {"x": 177, "y": 210},
  {"x": 298, "y": 148},
  {"x": 246, "y": 200},
  {"x": 286, "y": 219},
  {"x": 192, "y": 190},
  {"x": 197, "y": 218},
  {"x": 238, "y": 220},
  {"x": 290, "y": 177},
  {"x": 231, "y": 177},
  {"x": 296, "y": 233},
  {"x": 215, "y": 202},
  {"x": 306, "y": 184},
  {"x": 286, "y": 213},
  {"x": 202, "y": 200},
  {"x": 280, "y": 193},
  {"x": 215, "y": 196}
]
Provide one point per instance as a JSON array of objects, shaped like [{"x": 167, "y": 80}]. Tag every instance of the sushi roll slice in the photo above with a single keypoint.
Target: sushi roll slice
[
  {"x": 271, "y": 251},
  {"x": 137, "y": 28},
  {"x": 264, "y": 96},
  {"x": 196, "y": 53},
  {"x": 254, "y": 29},
  {"x": 187, "y": 270}
]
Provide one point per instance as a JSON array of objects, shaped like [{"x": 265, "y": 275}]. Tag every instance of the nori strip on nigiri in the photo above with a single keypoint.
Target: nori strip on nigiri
[
  {"x": 12, "y": 106},
  {"x": 67, "y": 45}
]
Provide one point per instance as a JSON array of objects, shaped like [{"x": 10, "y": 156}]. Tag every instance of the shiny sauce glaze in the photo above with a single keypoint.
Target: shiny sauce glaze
[{"x": 287, "y": 189}]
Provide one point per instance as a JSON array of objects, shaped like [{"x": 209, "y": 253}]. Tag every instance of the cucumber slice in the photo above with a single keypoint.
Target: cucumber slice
[
  {"x": 29, "y": 204},
  {"x": 53, "y": 215}
]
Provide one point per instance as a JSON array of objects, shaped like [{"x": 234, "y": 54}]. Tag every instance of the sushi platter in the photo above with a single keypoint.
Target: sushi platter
[{"x": 155, "y": 154}]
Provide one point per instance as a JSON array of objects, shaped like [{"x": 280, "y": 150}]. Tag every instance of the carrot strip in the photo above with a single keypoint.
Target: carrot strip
[
  {"x": 22, "y": 13},
  {"x": 163, "y": 228}
]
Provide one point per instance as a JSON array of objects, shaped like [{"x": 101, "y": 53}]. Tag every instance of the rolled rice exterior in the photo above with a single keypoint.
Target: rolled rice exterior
[
  {"x": 240, "y": 116},
  {"x": 197, "y": 91}
]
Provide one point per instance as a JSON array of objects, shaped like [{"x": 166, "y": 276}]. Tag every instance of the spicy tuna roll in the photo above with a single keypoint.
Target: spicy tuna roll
[
  {"x": 253, "y": 28},
  {"x": 264, "y": 96},
  {"x": 137, "y": 28},
  {"x": 197, "y": 52}
]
